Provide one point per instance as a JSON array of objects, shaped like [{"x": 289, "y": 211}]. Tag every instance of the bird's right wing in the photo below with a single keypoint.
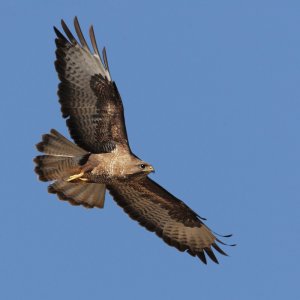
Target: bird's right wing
[
  {"x": 172, "y": 220},
  {"x": 89, "y": 98}
]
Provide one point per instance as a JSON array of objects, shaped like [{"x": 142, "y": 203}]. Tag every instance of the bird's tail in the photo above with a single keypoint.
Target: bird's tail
[{"x": 62, "y": 161}]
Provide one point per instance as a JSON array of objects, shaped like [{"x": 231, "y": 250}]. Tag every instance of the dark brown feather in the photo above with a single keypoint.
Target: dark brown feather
[
  {"x": 211, "y": 255},
  {"x": 202, "y": 257},
  {"x": 105, "y": 59},
  {"x": 94, "y": 42},
  {"x": 219, "y": 249},
  {"x": 80, "y": 35},
  {"x": 68, "y": 33}
]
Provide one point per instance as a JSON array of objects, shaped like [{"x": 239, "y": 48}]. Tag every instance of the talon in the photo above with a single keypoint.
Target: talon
[{"x": 76, "y": 176}]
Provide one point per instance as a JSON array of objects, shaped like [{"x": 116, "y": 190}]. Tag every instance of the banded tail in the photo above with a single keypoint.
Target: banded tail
[{"x": 63, "y": 159}]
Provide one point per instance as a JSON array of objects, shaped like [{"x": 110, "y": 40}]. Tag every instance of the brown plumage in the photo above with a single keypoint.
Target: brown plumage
[{"x": 102, "y": 158}]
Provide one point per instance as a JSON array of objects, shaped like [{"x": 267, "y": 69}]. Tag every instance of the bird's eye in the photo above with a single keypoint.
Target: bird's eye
[{"x": 142, "y": 166}]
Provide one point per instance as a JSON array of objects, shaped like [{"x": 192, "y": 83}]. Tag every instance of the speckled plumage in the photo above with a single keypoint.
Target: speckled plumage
[{"x": 102, "y": 158}]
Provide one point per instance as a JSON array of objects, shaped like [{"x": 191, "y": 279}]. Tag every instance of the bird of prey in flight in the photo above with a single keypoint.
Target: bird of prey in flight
[{"x": 101, "y": 158}]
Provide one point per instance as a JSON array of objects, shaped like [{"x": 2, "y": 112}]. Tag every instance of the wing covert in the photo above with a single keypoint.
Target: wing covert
[{"x": 89, "y": 98}]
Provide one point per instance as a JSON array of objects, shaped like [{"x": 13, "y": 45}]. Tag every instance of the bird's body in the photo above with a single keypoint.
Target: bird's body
[
  {"x": 106, "y": 168},
  {"x": 102, "y": 158}
]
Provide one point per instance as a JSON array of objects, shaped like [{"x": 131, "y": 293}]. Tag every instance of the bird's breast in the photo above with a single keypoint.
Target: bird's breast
[{"x": 106, "y": 167}]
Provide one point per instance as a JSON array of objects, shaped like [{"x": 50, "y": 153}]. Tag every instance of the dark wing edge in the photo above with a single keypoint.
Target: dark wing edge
[
  {"x": 159, "y": 211},
  {"x": 89, "y": 98},
  {"x": 103, "y": 67}
]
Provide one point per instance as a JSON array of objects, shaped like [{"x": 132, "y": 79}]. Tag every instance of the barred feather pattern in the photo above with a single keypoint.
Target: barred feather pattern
[
  {"x": 89, "y": 99},
  {"x": 87, "y": 194},
  {"x": 63, "y": 159},
  {"x": 172, "y": 220}
]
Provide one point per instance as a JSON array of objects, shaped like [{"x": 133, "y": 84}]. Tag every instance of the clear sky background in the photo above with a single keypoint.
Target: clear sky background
[{"x": 212, "y": 99}]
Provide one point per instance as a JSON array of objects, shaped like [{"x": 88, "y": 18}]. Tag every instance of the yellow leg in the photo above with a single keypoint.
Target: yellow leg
[
  {"x": 76, "y": 176},
  {"x": 83, "y": 179}
]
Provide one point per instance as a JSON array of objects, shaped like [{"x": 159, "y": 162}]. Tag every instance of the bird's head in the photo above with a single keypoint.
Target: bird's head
[
  {"x": 140, "y": 168},
  {"x": 145, "y": 168}
]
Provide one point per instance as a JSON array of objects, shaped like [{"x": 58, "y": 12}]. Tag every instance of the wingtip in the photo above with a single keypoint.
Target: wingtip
[
  {"x": 63, "y": 23},
  {"x": 216, "y": 247},
  {"x": 202, "y": 257},
  {"x": 105, "y": 58},
  {"x": 91, "y": 30},
  {"x": 76, "y": 22},
  {"x": 211, "y": 255},
  {"x": 228, "y": 235},
  {"x": 221, "y": 242},
  {"x": 59, "y": 35},
  {"x": 68, "y": 32},
  {"x": 94, "y": 42},
  {"x": 223, "y": 236}
]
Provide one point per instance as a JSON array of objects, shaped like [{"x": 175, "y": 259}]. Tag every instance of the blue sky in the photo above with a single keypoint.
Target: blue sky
[{"x": 211, "y": 94}]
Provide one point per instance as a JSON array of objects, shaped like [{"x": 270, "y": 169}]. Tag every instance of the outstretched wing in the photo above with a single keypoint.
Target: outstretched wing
[
  {"x": 89, "y": 98},
  {"x": 172, "y": 220}
]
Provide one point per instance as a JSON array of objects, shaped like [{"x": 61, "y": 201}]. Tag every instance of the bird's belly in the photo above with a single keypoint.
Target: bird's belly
[{"x": 97, "y": 178}]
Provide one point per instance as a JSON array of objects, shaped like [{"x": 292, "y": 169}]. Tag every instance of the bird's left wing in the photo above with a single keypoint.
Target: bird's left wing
[{"x": 172, "y": 220}]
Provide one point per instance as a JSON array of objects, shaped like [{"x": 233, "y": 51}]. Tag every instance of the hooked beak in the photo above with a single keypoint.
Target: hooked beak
[{"x": 151, "y": 169}]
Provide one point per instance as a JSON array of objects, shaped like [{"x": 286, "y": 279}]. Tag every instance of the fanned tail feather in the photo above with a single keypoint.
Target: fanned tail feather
[
  {"x": 56, "y": 167},
  {"x": 56, "y": 144},
  {"x": 63, "y": 159},
  {"x": 86, "y": 194}
]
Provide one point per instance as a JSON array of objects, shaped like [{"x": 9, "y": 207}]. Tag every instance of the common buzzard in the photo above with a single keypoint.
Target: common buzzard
[{"x": 101, "y": 157}]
